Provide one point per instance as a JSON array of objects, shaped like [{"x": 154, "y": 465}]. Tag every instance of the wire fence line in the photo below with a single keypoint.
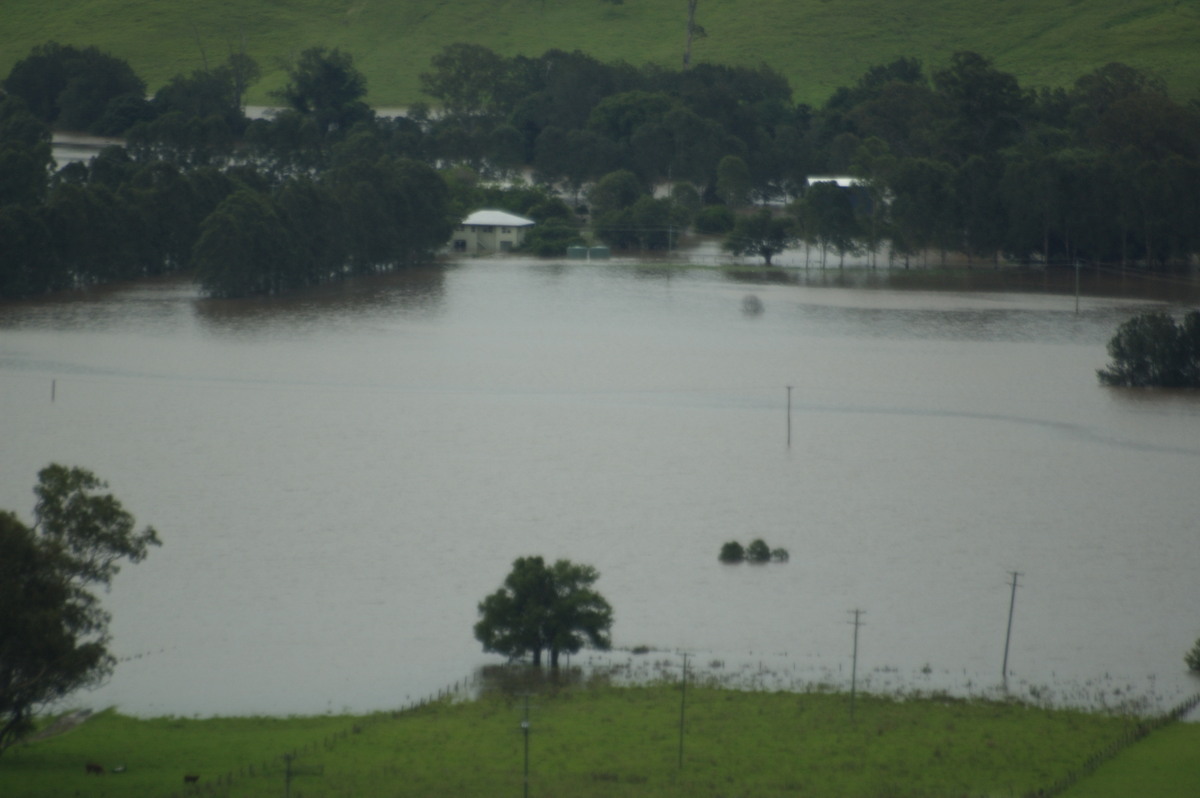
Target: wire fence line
[
  {"x": 1138, "y": 733},
  {"x": 283, "y": 764}
]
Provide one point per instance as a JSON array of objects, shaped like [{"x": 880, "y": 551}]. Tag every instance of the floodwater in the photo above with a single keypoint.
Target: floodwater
[{"x": 339, "y": 478}]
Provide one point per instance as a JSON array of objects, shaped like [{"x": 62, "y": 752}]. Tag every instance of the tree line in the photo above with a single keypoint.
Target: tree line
[{"x": 960, "y": 158}]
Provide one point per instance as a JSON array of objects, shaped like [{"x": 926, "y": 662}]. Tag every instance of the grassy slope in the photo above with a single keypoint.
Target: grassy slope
[
  {"x": 600, "y": 742},
  {"x": 1167, "y": 764},
  {"x": 817, "y": 44}
]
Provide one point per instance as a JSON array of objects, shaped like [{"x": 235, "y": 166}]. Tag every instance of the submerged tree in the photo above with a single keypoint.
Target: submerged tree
[
  {"x": 732, "y": 552},
  {"x": 1192, "y": 658},
  {"x": 762, "y": 234},
  {"x": 1152, "y": 350},
  {"x": 540, "y": 607},
  {"x": 53, "y": 632}
]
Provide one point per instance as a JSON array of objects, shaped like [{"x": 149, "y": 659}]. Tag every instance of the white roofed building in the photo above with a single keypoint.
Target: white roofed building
[{"x": 488, "y": 231}]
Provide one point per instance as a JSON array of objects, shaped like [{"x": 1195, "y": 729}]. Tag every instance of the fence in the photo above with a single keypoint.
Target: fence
[
  {"x": 283, "y": 763},
  {"x": 1137, "y": 733}
]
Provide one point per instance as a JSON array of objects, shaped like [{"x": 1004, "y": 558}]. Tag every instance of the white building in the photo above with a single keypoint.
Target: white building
[{"x": 484, "y": 232}]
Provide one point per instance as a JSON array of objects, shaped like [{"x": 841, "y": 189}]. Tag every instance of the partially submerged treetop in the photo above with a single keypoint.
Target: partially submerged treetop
[{"x": 542, "y": 607}]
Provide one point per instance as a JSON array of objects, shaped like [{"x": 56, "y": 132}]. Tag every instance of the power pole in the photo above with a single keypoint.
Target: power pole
[
  {"x": 525, "y": 733},
  {"x": 1008, "y": 635},
  {"x": 682, "y": 708},
  {"x": 854, "y": 662},
  {"x": 692, "y": 30},
  {"x": 287, "y": 775},
  {"x": 789, "y": 417}
]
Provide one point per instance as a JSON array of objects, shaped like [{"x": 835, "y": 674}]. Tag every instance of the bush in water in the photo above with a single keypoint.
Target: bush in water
[
  {"x": 732, "y": 552},
  {"x": 1192, "y": 658},
  {"x": 758, "y": 551}
]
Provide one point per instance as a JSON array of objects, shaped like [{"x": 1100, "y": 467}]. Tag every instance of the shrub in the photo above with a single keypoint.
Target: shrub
[
  {"x": 1151, "y": 350},
  {"x": 732, "y": 552},
  {"x": 780, "y": 555},
  {"x": 1192, "y": 658},
  {"x": 758, "y": 551},
  {"x": 551, "y": 238},
  {"x": 714, "y": 220}
]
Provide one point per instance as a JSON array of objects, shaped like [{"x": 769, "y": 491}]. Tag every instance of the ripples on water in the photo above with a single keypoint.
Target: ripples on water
[{"x": 340, "y": 477}]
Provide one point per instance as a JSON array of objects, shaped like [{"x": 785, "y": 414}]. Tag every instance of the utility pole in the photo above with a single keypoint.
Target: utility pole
[
  {"x": 525, "y": 732},
  {"x": 1077, "y": 286},
  {"x": 854, "y": 662},
  {"x": 1008, "y": 635},
  {"x": 287, "y": 775},
  {"x": 789, "y": 417},
  {"x": 682, "y": 708}
]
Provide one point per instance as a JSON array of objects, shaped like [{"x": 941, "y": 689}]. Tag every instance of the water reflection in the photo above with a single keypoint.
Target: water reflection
[
  {"x": 411, "y": 292},
  {"x": 340, "y": 476}
]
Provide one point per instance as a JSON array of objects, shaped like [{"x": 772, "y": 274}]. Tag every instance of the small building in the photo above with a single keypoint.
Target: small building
[{"x": 488, "y": 231}]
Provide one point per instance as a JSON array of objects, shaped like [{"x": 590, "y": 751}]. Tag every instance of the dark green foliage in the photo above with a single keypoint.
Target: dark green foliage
[
  {"x": 53, "y": 632},
  {"x": 73, "y": 89},
  {"x": 551, "y": 238},
  {"x": 828, "y": 218},
  {"x": 544, "y": 608},
  {"x": 324, "y": 86},
  {"x": 714, "y": 220},
  {"x": 758, "y": 551},
  {"x": 1192, "y": 658},
  {"x": 1152, "y": 350},
  {"x": 615, "y": 191},
  {"x": 25, "y": 156},
  {"x": 209, "y": 93},
  {"x": 732, "y": 552},
  {"x": 733, "y": 181},
  {"x": 761, "y": 233}
]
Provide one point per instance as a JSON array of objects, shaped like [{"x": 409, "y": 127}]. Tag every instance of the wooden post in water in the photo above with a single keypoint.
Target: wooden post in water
[
  {"x": 789, "y": 417},
  {"x": 1077, "y": 286},
  {"x": 53, "y": 387}
]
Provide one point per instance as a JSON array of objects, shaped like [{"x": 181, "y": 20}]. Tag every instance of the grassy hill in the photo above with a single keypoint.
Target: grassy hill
[
  {"x": 818, "y": 44},
  {"x": 603, "y": 742}
]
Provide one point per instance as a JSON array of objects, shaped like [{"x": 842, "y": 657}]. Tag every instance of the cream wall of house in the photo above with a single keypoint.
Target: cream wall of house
[{"x": 486, "y": 238}]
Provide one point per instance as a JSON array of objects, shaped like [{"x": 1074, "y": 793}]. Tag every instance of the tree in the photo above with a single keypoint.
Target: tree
[
  {"x": 733, "y": 181},
  {"x": 1192, "y": 658},
  {"x": 758, "y": 551},
  {"x": 70, "y": 88},
  {"x": 53, "y": 632},
  {"x": 615, "y": 191},
  {"x": 468, "y": 78},
  {"x": 762, "y": 234},
  {"x": 544, "y": 608},
  {"x": 325, "y": 86},
  {"x": 732, "y": 552},
  {"x": 1151, "y": 350}
]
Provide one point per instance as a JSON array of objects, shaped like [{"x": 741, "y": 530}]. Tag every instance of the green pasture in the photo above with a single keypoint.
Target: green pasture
[
  {"x": 818, "y": 44},
  {"x": 614, "y": 741}
]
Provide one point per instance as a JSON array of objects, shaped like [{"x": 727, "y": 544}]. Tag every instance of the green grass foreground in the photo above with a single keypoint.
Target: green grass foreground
[
  {"x": 614, "y": 741},
  {"x": 817, "y": 44}
]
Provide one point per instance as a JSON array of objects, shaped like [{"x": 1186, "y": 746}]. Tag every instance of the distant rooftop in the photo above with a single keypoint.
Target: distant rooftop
[
  {"x": 497, "y": 219},
  {"x": 843, "y": 181}
]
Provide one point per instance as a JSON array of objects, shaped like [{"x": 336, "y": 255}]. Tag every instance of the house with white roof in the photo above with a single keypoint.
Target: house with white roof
[{"x": 488, "y": 231}]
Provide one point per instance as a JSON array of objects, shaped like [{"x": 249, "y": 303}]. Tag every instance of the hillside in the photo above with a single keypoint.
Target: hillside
[
  {"x": 818, "y": 44},
  {"x": 605, "y": 742}
]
